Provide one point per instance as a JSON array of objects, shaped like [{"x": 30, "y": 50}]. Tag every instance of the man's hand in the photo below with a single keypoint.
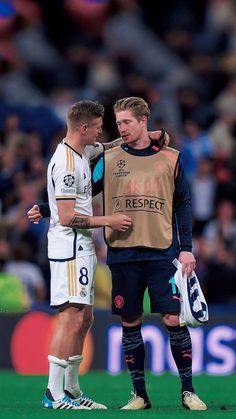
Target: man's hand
[
  {"x": 34, "y": 215},
  {"x": 161, "y": 137},
  {"x": 119, "y": 222},
  {"x": 188, "y": 262}
]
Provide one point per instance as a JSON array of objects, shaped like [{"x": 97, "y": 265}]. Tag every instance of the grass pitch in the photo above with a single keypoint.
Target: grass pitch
[{"x": 21, "y": 396}]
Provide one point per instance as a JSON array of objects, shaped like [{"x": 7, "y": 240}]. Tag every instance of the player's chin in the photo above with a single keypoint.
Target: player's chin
[
  {"x": 126, "y": 138},
  {"x": 129, "y": 140}
]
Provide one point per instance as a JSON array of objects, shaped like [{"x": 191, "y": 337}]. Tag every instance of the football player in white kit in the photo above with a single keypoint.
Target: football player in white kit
[{"x": 71, "y": 252}]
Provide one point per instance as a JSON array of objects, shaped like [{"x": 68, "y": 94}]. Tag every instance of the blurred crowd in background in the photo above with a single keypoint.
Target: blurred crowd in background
[{"x": 179, "y": 55}]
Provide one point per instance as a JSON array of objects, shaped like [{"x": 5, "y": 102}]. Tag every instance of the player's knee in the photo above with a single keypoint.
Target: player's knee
[
  {"x": 170, "y": 319},
  {"x": 131, "y": 320}
]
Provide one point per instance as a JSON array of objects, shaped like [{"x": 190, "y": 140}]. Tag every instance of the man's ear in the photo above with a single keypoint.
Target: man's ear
[
  {"x": 143, "y": 120},
  {"x": 84, "y": 128}
]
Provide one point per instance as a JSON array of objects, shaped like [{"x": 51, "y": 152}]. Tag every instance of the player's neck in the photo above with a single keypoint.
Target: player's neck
[
  {"x": 75, "y": 143},
  {"x": 141, "y": 143}
]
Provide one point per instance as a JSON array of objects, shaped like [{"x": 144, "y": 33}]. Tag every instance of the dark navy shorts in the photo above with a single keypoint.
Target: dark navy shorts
[{"x": 130, "y": 280}]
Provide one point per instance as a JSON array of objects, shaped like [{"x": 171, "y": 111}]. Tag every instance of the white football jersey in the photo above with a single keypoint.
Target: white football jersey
[{"x": 69, "y": 177}]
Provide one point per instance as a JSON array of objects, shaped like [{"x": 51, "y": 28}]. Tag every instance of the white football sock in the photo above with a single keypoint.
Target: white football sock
[
  {"x": 71, "y": 375},
  {"x": 56, "y": 376}
]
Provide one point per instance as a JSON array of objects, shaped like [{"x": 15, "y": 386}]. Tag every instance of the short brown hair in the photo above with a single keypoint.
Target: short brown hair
[
  {"x": 84, "y": 111},
  {"x": 138, "y": 106}
]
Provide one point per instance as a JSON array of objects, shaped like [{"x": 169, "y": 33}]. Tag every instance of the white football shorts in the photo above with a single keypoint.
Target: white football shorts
[{"x": 73, "y": 281}]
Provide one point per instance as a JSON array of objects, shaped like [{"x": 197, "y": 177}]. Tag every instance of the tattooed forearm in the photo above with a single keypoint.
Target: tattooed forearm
[
  {"x": 112, "y": 144},
  {"x": 79, "y": 222}
]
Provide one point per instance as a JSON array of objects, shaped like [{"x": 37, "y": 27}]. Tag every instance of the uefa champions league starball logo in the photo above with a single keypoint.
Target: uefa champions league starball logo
[
  {"x": 69, "y": 180},
  {"x": 121, "y": 164}
]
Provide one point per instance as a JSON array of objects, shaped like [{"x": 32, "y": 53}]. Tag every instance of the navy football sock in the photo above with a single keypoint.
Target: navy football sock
[
  {"x": 181, "y": 348},
  {"x": 134, "y": 352},
  {"x": 49, "y": 395}
]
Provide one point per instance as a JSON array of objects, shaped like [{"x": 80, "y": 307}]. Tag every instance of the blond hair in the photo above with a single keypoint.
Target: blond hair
[{"x": 136, "y": 104}]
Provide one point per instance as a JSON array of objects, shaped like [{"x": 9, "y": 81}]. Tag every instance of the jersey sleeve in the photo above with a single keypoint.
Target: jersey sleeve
[
  {"x": 93, "y": 151},
  {"x": 64, "y": 179},
  {"x": 182, "y": 206}
]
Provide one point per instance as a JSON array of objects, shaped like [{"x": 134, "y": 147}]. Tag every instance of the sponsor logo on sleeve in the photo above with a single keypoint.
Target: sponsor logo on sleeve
[{"x": 69, "y": 180}]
